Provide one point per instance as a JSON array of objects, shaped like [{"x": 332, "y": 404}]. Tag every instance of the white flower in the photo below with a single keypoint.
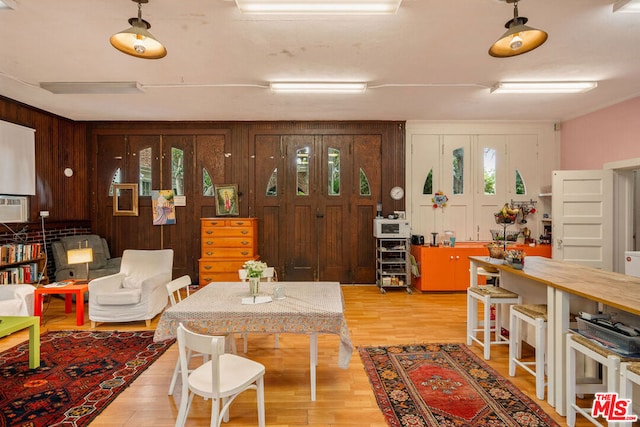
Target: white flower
[{"x": 254, "y": 268}]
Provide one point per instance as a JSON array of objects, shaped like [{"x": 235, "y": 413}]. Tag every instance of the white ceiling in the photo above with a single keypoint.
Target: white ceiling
[{"x": 427, "y": 62}]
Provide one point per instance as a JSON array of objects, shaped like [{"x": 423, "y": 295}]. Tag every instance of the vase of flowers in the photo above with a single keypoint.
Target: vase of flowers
[{"x": 254, "y": 273}]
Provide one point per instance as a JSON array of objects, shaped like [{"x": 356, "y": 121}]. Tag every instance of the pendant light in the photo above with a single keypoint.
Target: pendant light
[
  {"x": 138, "y": 41},
  {"x": 519, "y": 38}
]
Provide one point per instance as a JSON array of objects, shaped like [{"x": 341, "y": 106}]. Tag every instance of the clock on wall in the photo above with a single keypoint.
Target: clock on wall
[{"x": 396, "y": 193}]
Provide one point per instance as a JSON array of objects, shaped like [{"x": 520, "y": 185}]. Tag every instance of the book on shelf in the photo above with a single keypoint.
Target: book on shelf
[
  {"x": 26, "y": 273},
  {"x": 21, "y": 252}
]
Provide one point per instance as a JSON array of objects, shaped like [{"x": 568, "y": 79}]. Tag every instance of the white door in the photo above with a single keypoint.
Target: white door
[
  {"x": 582, "y": 209},
  {"x": 457, "y": 185}
]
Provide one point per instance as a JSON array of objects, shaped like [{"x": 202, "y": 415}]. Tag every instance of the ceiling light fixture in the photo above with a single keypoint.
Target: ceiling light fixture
[
  {"x": 137, "y": 40},
  {"x": 91, "y": 87},
  {"x": 321, "y": 7},
  {"x": 7, "y": 4},
  {"x": 543, "y": 87},
  {"x": 626, "y": 6},
  {"x": 318, "y": 87},
  {"x": 518, "y": 38}
]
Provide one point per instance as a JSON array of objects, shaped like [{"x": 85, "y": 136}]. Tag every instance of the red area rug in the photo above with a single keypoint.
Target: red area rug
[
  {"x": 445, "y": 385},
  {"x": 80, "y": 373}
]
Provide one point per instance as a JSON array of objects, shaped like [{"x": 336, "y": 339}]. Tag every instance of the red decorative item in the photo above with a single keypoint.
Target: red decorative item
[{"x": 533, "y": 210}]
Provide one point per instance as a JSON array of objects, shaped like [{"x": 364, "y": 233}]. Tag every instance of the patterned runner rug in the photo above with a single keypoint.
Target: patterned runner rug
[
  {"x": 80, "y": 373},
  {"x": 445, "y": 385}
]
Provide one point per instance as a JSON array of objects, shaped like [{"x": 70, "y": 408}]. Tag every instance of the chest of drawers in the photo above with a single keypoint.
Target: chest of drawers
[{"x": 226, "y": 243}]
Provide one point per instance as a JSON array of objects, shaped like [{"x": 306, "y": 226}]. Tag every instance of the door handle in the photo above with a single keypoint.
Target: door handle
[
  {"x": 559, "y": 243},
  {"x": 319, "y": 214}
]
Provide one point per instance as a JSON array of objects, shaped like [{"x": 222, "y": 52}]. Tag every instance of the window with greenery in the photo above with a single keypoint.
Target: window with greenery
[
  {"x": 116, "y": 179},
  {"x": 145, "y": 170},
  {"x": 207, "y": 185},
  {"x": 272, "y": 185},
  {"x": 489, "y": 164},
  {"x": 302, "y": 171},
  {"x": 177, "y": 171},
  {"x": 458, "y": 171},
  {"x": 333, "y": 167},
  {"x": 365, "y": 188},
  {"x": 521, "y": 188},
  {"x": 427, "y": 188}
]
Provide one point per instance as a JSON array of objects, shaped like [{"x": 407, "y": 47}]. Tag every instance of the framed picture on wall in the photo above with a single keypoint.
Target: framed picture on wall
[{"x": 226, "y": 199}]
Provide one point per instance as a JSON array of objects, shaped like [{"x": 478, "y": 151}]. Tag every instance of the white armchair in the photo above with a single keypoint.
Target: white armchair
[
  {"x": 16, "y": 300},
  {"x": 137, "y": 292}
]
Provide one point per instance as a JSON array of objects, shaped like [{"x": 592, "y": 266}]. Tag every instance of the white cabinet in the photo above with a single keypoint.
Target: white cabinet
[
  {"x": 393, "y": 264},
  {"x": 459, "y": 160}
]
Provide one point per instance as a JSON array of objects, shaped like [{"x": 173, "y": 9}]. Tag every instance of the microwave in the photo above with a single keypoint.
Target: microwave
[{"x": 391, "y": 228}]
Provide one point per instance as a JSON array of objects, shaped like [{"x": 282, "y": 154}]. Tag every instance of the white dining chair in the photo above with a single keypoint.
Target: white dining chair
[
  {"x": 268, "y": 274},
  {"x": 178, "y": 289},
  {"x": 221, "y": 379}
]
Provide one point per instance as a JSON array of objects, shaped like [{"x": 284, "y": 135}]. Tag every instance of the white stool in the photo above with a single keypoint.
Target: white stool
[
  {"x": 487, "y": 295},
  {"x": 493, "y": 274},
  {"x": 609, "y": 383},
  {"x": 629, "y": 375},
  {"x": 535, "y": 315}
]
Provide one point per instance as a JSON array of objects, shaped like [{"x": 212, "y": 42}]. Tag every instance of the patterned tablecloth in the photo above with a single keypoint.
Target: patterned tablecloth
[{"x": 308, "y": 308}]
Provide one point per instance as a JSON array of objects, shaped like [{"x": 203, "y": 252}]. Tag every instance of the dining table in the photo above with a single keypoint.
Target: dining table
[{"x": 221, "y": 308}]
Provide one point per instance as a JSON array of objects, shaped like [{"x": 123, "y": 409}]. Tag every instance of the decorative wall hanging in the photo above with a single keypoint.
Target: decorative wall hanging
[
  {"x": 226, "y": 199},
  {"x": 439, "y": 200},
  {"x": 164, "y": 211},
  {"x": 125, "y": 199}
]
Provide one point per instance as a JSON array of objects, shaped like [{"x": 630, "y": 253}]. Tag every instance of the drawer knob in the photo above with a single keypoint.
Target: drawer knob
[
  {"x": 209, "y": 253},
  {"x": 207, "y": 267},
  {"x": 244, "y": 253},
  {"x": 209, "y": 232},
  {"x": 209, "y": 243},
  {"x": 245, "y": 243},
  {"x": 245, "y": 231}
]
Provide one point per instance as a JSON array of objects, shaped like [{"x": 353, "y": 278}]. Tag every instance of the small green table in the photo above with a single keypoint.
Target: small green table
[{"x": 11, "y": 324}]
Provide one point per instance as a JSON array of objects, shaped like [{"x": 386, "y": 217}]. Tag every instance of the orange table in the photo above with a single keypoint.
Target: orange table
[{"x": 75, "y": 288}]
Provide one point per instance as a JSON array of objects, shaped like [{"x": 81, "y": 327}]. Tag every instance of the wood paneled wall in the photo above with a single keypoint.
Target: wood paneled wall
[
  {"x": 73, "y": 201},
  {"x": 59, "y": 144}
]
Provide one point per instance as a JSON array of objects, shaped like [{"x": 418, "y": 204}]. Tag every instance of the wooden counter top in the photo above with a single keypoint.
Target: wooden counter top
[{"x": 613, "y": 289}]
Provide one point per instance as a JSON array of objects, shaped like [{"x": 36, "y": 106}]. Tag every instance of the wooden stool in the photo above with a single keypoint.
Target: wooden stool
[
  {"x": 487, "y": 295},
  {"x": 609, "y": 383},
  {"x": 535, "y": 315}
]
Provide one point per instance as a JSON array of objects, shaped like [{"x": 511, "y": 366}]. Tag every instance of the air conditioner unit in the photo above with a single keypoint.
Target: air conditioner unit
[{"x": 14, "y": 209}]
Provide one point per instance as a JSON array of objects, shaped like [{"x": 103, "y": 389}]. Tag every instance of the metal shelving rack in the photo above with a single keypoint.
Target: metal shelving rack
[{"x": 393, "y": 263}]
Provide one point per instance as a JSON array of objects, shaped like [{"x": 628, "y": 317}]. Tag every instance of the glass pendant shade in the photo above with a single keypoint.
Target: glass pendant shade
[
  {"x": 137, "y": 40},
  {"x": 518, "y": 39}
]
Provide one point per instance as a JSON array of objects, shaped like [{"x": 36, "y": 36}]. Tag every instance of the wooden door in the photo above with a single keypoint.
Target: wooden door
[
  {"x": 315, "y": 211},
  {"x": 177, "y": 174}
]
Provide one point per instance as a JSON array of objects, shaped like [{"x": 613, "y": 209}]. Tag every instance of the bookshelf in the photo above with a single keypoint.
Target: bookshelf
[{"x": 22, "y": 263}]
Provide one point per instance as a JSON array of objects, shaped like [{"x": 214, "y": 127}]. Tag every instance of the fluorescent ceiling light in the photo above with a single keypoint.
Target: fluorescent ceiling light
[
  {"x": 91, "y": 87},
  {"x": 627, "y": 6},
  {"x": 7, "y": 4},
  {"x": 543, "y": 87},
  {"x": 326, "y": 7},
  {"x": 318, "y": 87}
]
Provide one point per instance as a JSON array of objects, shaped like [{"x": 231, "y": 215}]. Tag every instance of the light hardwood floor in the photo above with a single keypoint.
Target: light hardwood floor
[{"x": 344, "y": 396}]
